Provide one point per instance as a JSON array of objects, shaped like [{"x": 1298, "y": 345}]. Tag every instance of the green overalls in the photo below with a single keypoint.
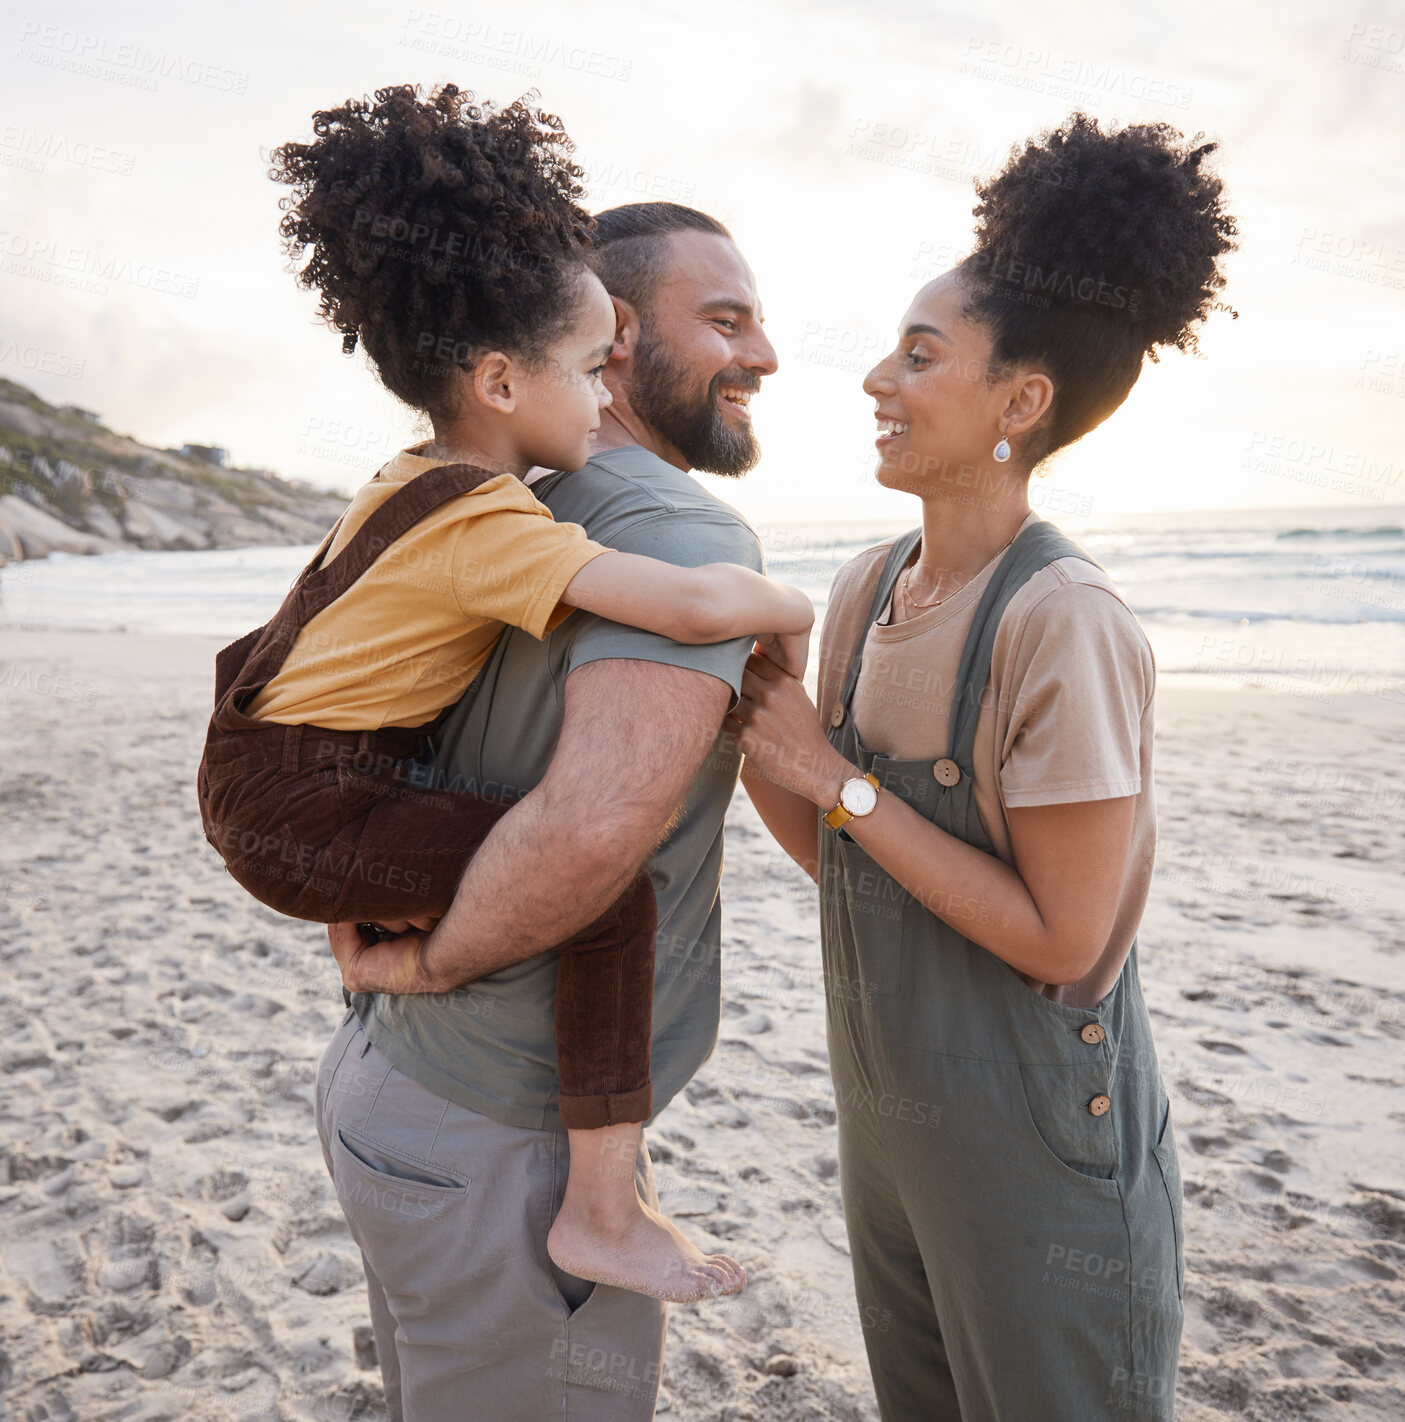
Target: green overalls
[{"x": 1008, "y": 1170}]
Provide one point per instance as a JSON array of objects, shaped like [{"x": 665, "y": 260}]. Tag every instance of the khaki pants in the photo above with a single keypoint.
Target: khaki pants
[{"x": 451, "y": 1211}]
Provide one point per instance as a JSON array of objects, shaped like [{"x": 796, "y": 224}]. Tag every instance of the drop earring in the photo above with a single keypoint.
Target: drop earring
[{"x": 1002, "y": 450}]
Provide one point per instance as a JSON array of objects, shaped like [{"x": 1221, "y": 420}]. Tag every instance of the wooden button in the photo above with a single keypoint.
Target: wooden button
[
  {"x": 836, "y": 717},
  {"x": 1100, "y": 1105},
  {"x": 947, "y": 772},
  {"x": 1093, "y": 1033}
]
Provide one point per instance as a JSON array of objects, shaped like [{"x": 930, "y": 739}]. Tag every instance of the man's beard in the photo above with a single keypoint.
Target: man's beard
[{"x": 662, "y": 396}]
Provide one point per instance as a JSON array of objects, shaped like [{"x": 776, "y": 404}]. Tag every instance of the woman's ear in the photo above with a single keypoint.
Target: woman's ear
[
  {"x": 494, "y": 380},
  {"x": 1031, "y": 395}
]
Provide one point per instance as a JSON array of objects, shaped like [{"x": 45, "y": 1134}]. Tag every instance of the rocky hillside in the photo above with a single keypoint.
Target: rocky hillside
[{"x": 69, "y": 484}]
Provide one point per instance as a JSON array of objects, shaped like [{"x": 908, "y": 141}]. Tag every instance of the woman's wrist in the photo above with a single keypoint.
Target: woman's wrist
[{"x": 829, "y": 780}]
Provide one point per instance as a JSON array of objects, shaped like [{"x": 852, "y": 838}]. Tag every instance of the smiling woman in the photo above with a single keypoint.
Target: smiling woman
[{"x": 979, "y": 814}]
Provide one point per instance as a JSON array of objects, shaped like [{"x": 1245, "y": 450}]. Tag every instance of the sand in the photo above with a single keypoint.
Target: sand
[{"x": 170, "y": 1241}]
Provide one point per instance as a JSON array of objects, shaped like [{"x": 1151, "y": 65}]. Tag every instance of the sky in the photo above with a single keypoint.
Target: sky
[{"x": 141, "y": 275}]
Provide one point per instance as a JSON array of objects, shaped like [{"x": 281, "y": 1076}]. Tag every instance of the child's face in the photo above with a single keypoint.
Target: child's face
[{"x": 562, "y": 397}]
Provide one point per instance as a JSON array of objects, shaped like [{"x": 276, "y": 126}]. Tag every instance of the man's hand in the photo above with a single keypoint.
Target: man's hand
[
  {"x": 633, "y": 737},
  {"x": 379, "y": 965}
]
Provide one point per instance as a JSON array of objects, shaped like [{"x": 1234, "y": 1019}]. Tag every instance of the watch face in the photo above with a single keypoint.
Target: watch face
[{"x": 858, "y": 796}]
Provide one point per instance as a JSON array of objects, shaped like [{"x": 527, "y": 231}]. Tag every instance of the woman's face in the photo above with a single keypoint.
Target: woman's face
[{"x": 938, "y": 416}]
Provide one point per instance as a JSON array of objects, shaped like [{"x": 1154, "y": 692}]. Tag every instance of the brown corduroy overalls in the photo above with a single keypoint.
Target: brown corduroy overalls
[{"x": 329, "y": 825}]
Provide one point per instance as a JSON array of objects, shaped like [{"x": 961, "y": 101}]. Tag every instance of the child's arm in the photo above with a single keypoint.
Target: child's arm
[{"x": 712, "y": 603}]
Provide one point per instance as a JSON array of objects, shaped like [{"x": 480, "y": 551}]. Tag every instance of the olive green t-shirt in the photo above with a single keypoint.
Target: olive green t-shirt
[{"x": 491, "y": 1046}]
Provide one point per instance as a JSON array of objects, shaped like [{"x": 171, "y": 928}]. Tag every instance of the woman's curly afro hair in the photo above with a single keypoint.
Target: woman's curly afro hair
[
  {"x": 436, "y": 228},
  {"x": 1092, "y": 250}
]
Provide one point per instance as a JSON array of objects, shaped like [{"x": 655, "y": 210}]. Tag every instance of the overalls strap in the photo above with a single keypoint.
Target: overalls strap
[
  {"x": 323, "y": 585},
  {"x": 320, "y": 585},
  {"x": 1039, "y": 545},
  {"x": 898, "y": 555}
]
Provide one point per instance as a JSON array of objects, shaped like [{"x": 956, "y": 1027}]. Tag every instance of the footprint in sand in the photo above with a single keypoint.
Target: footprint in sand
[
  {"x": 124, "y": 1249},
  {"x": 1270, "y": 1184},
  {"x": 1277, "y": 1160},
  {"x": 1370, "y": 1268}
]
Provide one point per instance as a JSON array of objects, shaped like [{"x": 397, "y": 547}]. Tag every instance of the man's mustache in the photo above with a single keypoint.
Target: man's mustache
[{"x": 741, "y": 382}]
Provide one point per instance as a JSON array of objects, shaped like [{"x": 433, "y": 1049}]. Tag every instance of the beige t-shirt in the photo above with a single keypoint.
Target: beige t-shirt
[{"x": 1065, "y": 718}]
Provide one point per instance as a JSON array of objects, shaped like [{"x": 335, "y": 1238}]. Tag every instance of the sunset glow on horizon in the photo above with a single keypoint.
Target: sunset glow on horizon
[{"x": 142, "y": 275}]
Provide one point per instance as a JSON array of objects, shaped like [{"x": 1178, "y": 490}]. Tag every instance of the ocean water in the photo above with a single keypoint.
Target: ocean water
[{"x": 1306, "y": 601}]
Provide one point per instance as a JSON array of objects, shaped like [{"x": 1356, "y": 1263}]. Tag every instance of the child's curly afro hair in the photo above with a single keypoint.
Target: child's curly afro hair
[{"x": 436, "y": 228}]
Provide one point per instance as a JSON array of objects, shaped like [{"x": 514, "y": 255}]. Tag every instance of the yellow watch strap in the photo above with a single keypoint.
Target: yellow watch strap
[{"x": 838, "y": 817}]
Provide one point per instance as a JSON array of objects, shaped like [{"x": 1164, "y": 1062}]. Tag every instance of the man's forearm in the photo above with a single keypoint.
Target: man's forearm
[
  {"x": 633, "y": 737},
  {"x": 532, "y": 885}
]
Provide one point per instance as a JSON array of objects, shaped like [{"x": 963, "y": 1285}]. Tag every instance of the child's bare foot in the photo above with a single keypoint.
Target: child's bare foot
[{"x": 649, "y": 1254}]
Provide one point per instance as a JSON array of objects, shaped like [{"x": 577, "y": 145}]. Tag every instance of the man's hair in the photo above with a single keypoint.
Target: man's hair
[{"x": 631, "y": 251}]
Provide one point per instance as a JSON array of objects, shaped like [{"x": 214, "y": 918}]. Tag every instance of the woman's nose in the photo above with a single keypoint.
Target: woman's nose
[{"x": 877, "y": 381}]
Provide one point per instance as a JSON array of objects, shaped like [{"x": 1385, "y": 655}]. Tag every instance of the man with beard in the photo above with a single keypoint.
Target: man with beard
[{"x": 438, "y": 1105}]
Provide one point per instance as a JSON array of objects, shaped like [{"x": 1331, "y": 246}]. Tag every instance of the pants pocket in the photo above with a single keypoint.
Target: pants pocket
[
  {"x": 386, "y": 1187},
  {"x": 1169, "y": 1164},
  {"x": 1082, "y": 1144}
]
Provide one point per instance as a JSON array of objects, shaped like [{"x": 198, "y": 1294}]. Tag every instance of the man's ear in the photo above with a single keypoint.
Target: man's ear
[
  {"x": 494, "y": 381},
  {"x": 626, "y": 330}
]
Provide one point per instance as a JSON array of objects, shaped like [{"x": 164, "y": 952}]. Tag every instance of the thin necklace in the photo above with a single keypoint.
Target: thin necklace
[{"x": 910, "y": 603}]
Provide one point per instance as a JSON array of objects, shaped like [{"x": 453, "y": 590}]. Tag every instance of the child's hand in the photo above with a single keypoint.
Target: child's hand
[{"x": 790, "y": 651}]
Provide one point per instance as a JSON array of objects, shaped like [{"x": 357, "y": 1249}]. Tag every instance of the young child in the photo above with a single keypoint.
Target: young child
[{"x": 443, "y": 225}]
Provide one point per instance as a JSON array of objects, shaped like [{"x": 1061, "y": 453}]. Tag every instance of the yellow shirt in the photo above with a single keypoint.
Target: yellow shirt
[{"x": 412, "y": 632}]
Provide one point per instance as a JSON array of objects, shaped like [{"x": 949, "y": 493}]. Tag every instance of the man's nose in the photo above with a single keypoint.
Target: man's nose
[{"x": 760, "y": 354}]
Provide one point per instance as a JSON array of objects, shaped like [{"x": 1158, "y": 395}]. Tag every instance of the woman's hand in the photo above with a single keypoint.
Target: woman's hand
[{"x": 781, "y": 736}]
